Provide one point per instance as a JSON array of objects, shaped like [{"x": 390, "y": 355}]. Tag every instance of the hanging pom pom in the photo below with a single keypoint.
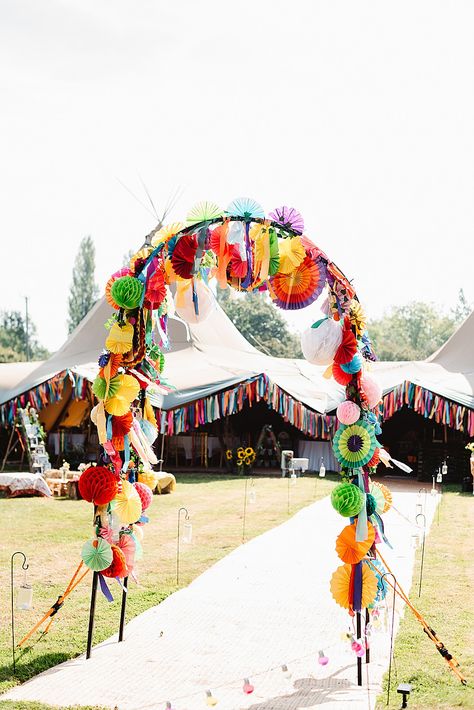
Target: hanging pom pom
[{"x": 127, "y": 292}]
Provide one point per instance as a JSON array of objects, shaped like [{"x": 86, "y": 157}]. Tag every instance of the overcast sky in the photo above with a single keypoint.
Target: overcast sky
[{"x": 360, "y": 114}]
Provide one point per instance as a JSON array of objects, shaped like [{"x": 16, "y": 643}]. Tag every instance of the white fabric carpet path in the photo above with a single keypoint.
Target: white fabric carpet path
[{"x": 266, "y": 604}]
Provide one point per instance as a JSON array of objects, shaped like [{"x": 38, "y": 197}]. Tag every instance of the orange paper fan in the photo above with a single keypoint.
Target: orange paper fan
[
  {"x": 348, "y": 549},
  {"x": 300, "y": 287},
  {"x": 341, "y": 581}
]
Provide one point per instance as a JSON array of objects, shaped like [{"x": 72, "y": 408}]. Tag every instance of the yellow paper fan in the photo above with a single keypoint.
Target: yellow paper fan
[
  {"x": 340, "y": 583},
  {"x": 117, "y": 406},
  {"x": 166, "y": 232},
  {"x": 292, "y": 253},
  {"x": 143, "y": 253},
  {"x": 129, "y": 387},
  {"x": 127, "y": 504},
  {"x": 120, "y": 339}
]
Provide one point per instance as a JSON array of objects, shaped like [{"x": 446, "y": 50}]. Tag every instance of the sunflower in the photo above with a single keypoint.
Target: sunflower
[
  {"x": 228, "y": 454},
  {"x": 247, "y": 461},
  {"x": 249, "y": 451},
  {"x": 240, "y": 454}
]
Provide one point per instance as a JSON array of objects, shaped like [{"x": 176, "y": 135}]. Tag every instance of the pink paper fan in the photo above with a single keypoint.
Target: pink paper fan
[{"x": 127, "y": 545}]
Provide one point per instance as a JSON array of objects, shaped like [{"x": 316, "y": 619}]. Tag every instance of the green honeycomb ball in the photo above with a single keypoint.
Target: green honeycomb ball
[
  {"x": 347, "y": 499},
  {"x": 127, "y": 292},
  {"x": 99, "y": 387}
]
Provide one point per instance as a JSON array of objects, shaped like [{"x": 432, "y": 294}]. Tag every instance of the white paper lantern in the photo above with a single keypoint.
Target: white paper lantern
[
  {"x": 319, "y": 344},
  {"x": 184, "y": 304}
]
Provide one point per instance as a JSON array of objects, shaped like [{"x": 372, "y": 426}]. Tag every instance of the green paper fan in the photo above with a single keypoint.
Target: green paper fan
[
  {"x": 202, "y": 212},
  {"x": 354, "y": 445},
  {"x": 97, "y": 554},
  {"x": 99, "y": 387},
  {"x": 274, "y": 254}
]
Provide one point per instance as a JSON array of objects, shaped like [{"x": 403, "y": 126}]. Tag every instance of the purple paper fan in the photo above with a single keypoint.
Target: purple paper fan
[{"x": 289, "y": 218}]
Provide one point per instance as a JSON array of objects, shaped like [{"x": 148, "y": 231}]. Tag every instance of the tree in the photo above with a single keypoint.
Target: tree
[
  {"x": 462, "y": 309},
  {"x": 411, "y": 332},
  {"x": 13, "y": 339},
  {"x": 84, "y": 291},
  {"x": 260, "y": 323}
]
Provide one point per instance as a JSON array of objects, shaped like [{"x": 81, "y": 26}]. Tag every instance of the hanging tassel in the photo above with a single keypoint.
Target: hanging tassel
[
  {"x": 104, "y": 588},
  {"x": 357, "y": 588}
]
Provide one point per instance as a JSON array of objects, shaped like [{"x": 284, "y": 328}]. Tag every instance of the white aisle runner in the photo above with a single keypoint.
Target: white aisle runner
[{"x": 266, "y": 604}]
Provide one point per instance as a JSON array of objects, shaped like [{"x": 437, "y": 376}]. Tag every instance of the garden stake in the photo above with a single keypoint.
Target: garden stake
[
  {"x": 122, "y": 610},
  {"x": 431, "y": 633},
  {"x": 24, "y": 566},
  {"x": 54, "y": 608},
  {"x": 90, "y": 630}
]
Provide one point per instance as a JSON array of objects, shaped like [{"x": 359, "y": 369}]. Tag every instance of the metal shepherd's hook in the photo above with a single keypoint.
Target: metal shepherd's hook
[
  {"x": 24, "y": 566},
  {"x": 421, "y": 515},
  {"x": 387, "y": 574},
  {"x": 186, "y": 517}
]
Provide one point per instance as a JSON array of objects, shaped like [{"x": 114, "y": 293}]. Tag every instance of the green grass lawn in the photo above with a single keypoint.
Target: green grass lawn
[
  {"x": 446, "y": 602},
  {"x": 51, "y": 533}
]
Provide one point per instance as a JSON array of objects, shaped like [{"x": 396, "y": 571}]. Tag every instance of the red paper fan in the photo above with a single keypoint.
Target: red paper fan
[
  {"x": 118, "y": 442},
  {"x": 118, "y": 567},
  {"x": 183, "y": 256},
  {"x": 341, "y": 377},
  {"x": 216, "y": 236},
  {"x": 122, "y": 425},
  {"x": 238, "y": 267},
  {"x": 348, "y": 347},
  {"x": 155, "y": 290},
  {"x": 300, "y": 287}
]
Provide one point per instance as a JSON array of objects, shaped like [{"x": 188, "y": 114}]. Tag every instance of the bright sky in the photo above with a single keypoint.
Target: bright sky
[{"x": 360, "y": 114}]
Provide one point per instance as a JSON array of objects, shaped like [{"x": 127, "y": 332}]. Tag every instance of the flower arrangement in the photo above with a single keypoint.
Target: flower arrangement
[{"x": 242, "y": 458}]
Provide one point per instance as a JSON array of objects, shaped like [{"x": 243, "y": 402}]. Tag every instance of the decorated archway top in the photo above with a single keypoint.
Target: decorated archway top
[{"x": 245, "y": 249}]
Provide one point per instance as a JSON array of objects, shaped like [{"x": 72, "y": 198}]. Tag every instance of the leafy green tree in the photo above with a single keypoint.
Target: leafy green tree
[
  {"x": 410, "y": 332},
  {"x": 260, "y": 323},
  {"x": 462, "y": 309},
  {"x": 84, "y": 291},
  {"x": 13, "y": 339}
]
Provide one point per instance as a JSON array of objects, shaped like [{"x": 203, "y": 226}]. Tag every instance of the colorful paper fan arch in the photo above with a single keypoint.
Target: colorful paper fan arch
[{"x": 247, "y": 249}]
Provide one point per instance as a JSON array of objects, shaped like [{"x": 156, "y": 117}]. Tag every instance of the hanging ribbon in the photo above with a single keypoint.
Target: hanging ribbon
[{"x": 104, "y": 588}]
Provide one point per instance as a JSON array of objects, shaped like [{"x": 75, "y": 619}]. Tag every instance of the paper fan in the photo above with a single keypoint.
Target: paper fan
[
  {"x": 265, "y": 238},
  {"x": 238, "y": 266},
  {"x": 300, "y": 288},
  {"x": 117, "y": 275},
  {"x": 341, "y": 586},
  {"x": 292, "y": 253},
  {"x": 167, "y": 232},
  {"x": 348, "y": 549},
  {"x": 129, "y": 387},
  {"x": 97, "y": 554},
  {"x": 184, "y": 254},
  {"x": 387, "y": 494},
  {"x": 380, "y": 502},
  {"x": 379, "y": 570},
  {"x": 348, "y": 347},
  {"x": 127, "y": 545},
  {"x": 118, "y": 567},
  {"x": 122, "y": 425},
  {"x": 246, "y": 208},
  {"x": 202, "y": 212},
  {"x": 341, "y": 377},
  {"x": 110, "y": 365},
  {"x": 354, "y": 445},
  {"x": 289, "y": 218},
  {"x": 127, "y": 505}
]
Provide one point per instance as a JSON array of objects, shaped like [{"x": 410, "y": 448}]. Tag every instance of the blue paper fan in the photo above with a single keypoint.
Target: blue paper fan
[
  {"x": 246, "y": 208},
  {"x": 202, "y": 212}
]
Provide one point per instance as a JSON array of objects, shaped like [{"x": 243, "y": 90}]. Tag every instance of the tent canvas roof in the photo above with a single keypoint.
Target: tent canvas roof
[{"x": 213, "y": 355}]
